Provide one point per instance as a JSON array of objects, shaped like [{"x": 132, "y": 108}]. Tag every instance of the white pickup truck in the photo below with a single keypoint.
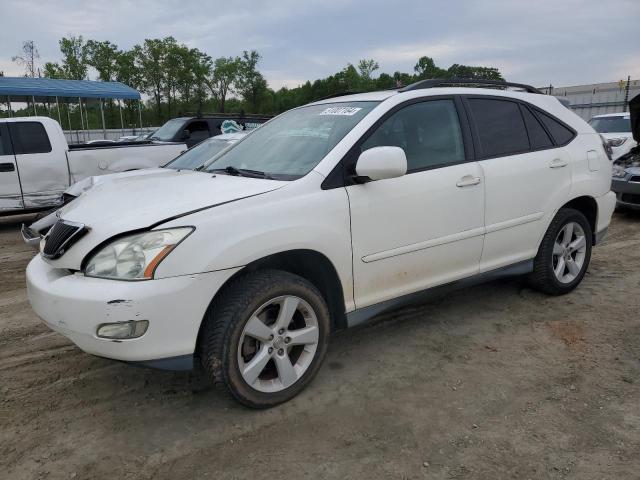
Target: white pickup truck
[{"x": 37, "y": 164}]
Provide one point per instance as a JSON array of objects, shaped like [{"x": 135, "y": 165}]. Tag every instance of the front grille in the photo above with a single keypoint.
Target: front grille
[
  {"x": 630, "y": 198},
  {"x": 635, "y": 178},
  {"x": 61, "y": 237}
]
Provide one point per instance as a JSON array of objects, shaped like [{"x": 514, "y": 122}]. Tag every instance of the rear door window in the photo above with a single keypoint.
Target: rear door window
[
  {"x": 500, "y": 127},
  {"x": 29, "y": 137}
]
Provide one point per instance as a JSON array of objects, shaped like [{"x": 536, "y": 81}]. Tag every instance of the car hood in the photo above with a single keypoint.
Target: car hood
[
  {"x": 85, "y": 184},
  {"x": 135, "y": 202}
]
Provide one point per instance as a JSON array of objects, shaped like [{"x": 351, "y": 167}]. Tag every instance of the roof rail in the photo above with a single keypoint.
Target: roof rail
[{"x": 455, "y": 82}]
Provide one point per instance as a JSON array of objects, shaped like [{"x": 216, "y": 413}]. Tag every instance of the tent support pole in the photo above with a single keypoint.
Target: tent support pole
[
  {"x": 69, "y": 121},
  {"x": 140, "y": 114},
  {"x": 81, "y": 120},
  {"x": 59, "y": 118},
  {"x": 104, "y": 129},
  {"x": 35, "y": 110},
  {"x": 121, "y": 120},
  {"x": 86, "y": 121}
]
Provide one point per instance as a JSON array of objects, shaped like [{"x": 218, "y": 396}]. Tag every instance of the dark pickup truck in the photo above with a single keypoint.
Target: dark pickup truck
[{"x": 192, "y": 130}]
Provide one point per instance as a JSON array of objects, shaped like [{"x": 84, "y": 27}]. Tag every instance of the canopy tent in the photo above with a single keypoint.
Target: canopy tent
[
  {"x": 44, "y": 90},
  {"x": 22, "y": 89}
]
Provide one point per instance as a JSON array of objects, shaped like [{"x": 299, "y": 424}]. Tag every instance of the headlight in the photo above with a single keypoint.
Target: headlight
[
  {"x": 618, "y": 171},
  {"x": 616, "y": 142},
  {"x": 135, "y": 257}
]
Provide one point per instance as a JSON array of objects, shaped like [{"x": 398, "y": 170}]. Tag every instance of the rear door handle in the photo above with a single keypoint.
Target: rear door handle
[
  {"x": 468, "y": 181},
  {"x": 7, "y": 167},
  {"x": 558, "y": 163}
]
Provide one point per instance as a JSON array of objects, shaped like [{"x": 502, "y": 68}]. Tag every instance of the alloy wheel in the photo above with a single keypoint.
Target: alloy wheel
[
  {"x": 569, "y": 252},
  {"x": 278, "y": 344}
]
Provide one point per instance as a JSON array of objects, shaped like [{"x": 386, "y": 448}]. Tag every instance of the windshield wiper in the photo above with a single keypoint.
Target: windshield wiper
[{"x": 243, "y": 172}]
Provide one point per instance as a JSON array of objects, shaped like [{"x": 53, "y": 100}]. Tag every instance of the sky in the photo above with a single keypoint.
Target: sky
[{"x": 540, "y": 42}]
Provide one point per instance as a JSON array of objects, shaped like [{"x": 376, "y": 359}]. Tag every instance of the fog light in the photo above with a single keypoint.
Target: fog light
[{"x": 123, "y": 330}]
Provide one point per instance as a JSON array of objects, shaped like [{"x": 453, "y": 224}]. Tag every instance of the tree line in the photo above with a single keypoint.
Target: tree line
[{"x": 178, "y": 79}]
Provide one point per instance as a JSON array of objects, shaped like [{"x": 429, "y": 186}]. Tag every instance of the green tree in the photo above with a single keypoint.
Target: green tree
[
  {"x": 223, "y": 79},
  {"x": 103, "y": 56},
  {"x": 53, "y": 70},
  {"x": 150, "y": 60},
  {"x": 475, "y": 73},
  {"x": 426, "y": 68},
  {"x": 74, "y": 57},
  {"x": 366, "y": 67},
  {"x": 250, "y": 83}
]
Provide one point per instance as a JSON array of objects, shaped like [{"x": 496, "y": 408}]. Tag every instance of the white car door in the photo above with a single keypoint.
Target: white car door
[
  {"x": 10, "y": 193},
  {"x": 44, "y": 173},
  {"x": 527, "y": 174},
  {"x": 426, "y": 227}
]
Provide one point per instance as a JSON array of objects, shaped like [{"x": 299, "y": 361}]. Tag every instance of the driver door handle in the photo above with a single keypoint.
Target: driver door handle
[
  {"x": 468, "y": 181},
  {"x": 7, "y": 167}
]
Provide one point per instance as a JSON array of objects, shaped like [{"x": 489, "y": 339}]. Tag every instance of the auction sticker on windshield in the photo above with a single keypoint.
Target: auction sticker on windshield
[{"x": 348, "y": 111}]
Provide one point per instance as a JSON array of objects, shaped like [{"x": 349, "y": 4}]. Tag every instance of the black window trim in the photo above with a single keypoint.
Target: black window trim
[
  {"x": 343, "y": 174},
  {"x": 5, "y": 138},
  {"x": 13, "y": 125},
  {"x": 523, "y": 104}
]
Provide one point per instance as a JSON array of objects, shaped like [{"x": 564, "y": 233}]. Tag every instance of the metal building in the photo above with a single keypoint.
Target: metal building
[{"x": 598, "y": 98}]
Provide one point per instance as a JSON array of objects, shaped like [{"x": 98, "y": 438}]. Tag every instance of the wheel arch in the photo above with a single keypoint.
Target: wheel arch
[
  {"x": 589, "y": 208},
  {"x": 311, "y": 265}
]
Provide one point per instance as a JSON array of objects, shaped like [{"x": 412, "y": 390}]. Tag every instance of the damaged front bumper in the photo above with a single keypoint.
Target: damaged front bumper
[{"x": 76, "y": 306}]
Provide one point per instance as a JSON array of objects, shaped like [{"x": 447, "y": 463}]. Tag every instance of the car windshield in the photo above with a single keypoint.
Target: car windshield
[
  {"x": 167, "y": 132},
  {"x": 611, "y": 124},
  {"x": 292, "y": 144},
  {"x": 200, "y": 154}
]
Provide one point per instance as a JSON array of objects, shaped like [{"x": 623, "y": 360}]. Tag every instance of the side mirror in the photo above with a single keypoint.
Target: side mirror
[
  {"x": 186, "y": 134},
  {"x": 379, "y": 163}
]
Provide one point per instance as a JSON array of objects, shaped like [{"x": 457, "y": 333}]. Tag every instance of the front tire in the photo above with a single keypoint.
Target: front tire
[
  {"x": 265, "y": 337},
  {"x": 564, "y": 254}
]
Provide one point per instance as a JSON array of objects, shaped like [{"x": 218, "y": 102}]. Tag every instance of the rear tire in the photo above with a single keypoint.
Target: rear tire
[
  {"x": 265, "y": 336},
  {"x": 564, "y": 254}
]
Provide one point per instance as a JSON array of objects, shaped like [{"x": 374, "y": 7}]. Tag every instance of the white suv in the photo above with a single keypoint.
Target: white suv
[{"x": 322, "y": 218}]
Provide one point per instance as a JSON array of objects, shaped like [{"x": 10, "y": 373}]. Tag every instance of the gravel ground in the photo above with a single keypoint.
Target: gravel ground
[{"x": 496, "y": 381}]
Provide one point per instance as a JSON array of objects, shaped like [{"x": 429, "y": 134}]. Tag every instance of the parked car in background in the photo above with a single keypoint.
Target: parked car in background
[
  {"x": 626, "y": 169},
  {"x": 188, "y": 160},
  {"x": 192, "y": 130},
  {"x": 616, "y": 129},
  {"x": 37, "y": 164},
  {"x": 321, "y": 219},
  {"x": 136, "y": 138}
]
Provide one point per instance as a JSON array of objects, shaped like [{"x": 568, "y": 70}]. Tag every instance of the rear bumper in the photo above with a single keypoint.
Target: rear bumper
[{"x": 606, "y": 205}]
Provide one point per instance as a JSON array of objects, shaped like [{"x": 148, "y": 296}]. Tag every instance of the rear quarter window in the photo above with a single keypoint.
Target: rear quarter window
[
  {"x": 29, "y": 137},
  {"x": 538, "y": 137},
  {"x": 560, "y": 133}
]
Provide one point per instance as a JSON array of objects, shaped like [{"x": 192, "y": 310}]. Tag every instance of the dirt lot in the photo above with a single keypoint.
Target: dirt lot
[{"x": 493, "y": 382}]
